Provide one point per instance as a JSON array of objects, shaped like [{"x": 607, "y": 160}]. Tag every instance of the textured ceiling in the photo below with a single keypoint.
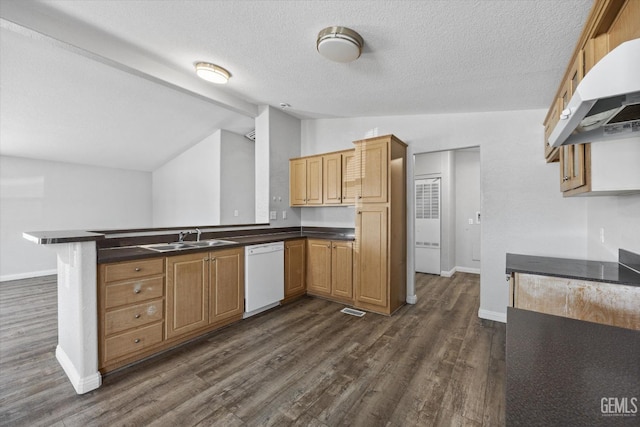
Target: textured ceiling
[{"x": 419, "y": 57}]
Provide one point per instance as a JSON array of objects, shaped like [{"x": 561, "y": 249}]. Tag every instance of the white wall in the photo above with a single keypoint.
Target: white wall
[
  {"x": 186, "y": 190},
  {"x": 277, "y": 140},
  {"x": 38, "y": 195},
  {"x": 467, "y": 204},
  {"x": 237, "y": 177},
  {"x": 523, "y": 209},
  {"x": 619, "y": 218}
]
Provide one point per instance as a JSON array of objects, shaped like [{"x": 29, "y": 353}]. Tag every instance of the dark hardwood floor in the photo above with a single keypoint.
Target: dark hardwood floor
[{"x": 305, "y": 364}]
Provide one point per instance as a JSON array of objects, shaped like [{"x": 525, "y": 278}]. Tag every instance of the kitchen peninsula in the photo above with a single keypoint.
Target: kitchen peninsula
[{"x": 134, "y": 274}]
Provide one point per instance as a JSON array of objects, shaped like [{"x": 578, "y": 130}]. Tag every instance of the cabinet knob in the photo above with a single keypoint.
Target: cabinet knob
[
  {"x": 359, "y": 212},
  {"x": 359, "y": 197},
  {"x": 137, "y": 268},
  {"x": 566, "y": 178},
  {"x": 213, "y": 259},
  {"x": 329, "y": 246},
  {"x": 334, "y": 246},
  {"x": 137, "y": 316},
  {"x": 137, "y": 340},
  {"x": 136, "y": 291}
]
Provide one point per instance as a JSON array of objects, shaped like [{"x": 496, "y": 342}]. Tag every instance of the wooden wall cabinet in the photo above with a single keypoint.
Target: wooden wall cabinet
[
  {"x": 130, "y": 310},
  {"x": 305, "y": 181},
  {"x": 295, "y": 261},
  {"x": 350, "y": 177},
  {"x": 381, "y": 229},
  {"x": 610, "y": 23},
  {"x": 323, "y": 180},
  {"x": 330, "y": 269},
  {"x": 605, "y": 303}
]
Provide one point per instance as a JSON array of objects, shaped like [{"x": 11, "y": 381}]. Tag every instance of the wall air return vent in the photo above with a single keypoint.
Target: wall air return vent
[{"x": 251, "y": 135}]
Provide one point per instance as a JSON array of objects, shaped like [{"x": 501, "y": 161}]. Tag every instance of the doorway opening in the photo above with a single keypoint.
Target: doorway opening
[{"x": 447, "y": 211}]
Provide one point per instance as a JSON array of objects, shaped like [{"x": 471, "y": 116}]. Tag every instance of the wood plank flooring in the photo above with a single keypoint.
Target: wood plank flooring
[{"x": 306, "y": 364}]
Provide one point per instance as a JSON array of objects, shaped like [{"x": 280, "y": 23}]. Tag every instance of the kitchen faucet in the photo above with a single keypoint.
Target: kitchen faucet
[{"x": 184, "y": 234}]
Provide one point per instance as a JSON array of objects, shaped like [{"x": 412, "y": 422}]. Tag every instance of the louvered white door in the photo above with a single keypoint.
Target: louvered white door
[{"x": 427, "y": 216}]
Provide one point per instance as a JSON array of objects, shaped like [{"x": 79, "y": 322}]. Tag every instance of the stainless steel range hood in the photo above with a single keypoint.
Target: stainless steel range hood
[{"x": 606, "y": 103}]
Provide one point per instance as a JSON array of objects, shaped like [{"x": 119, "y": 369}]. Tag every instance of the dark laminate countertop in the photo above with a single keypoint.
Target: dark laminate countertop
[
  {"x": 129, "y": 253},
  {"x": 595, "y": 271},
  {"x": 559, "y": 370},
  {"x": 68, "y": 236}
]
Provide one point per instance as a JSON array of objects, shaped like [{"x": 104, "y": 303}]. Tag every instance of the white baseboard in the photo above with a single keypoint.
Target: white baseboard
[
  {"x": 492, "y": 315},
  {"x": 448, "y": 273},
  {"x": 468, "y": 270},
  {"x": 456, "y": 269},
  {"x": 7, "y": 277},
  {"x": 81, "y": 384}
]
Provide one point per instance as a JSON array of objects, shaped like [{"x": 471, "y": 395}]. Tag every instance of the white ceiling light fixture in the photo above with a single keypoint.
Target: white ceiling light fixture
[
  {"x": 212, "y": 73},
  {"x": 339, "y": 44}
]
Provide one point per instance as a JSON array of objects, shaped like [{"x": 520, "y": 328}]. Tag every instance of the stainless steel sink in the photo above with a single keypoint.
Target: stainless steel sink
[
  {"x": 165, "y": 247},
  {"x": 212, "y": 242},
  {"x": 178, "y": 246}
]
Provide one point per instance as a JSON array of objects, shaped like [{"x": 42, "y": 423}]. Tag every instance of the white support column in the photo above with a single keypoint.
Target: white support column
[{"x": 77, "y": 350}]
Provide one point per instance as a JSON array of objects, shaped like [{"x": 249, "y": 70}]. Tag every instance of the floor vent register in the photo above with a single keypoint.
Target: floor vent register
[{"x": 353, "y": 312}]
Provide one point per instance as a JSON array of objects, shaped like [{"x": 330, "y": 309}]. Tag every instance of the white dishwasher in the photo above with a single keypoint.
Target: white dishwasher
[{"x": 263, "y": 277}]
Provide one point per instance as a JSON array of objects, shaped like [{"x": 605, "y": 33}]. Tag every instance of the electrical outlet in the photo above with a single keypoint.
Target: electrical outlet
[
  {"x": 470, "y": 221},
  {"x": 601, "y": 235},
  {"x": 235, "y": 212},
  {"x": 273, "y": 215}
]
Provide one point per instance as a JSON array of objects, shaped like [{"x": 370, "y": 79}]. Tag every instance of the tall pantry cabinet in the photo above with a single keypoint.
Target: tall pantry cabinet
[{"x": 380, "y": 273}]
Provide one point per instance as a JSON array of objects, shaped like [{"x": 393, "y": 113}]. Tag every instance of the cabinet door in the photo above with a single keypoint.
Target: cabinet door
[
  {"x": 226, "y": 284},
  {"x": 551, "y": 153},
  {"x": 371, "y": 255},
  {"x": 342, "y": 269},
  {"x": 314, "y": 180},
  {"x": 298, "y": 182},
  {"x": 319, "y": 266},
  {"x": 374, "y": 159},
  {"x": 294, "y": 267},
  {"x": 350, "y": 177},
  {"x": 332, "y": 179},
  {"x": 187, "y": 293},
  {"x": 573, "y": 167}
]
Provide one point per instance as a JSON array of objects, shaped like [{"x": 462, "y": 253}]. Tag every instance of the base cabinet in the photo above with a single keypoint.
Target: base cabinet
[
  {"x": 204, "y": 289},
  {"x": 131, "y": 311},
  {"x": 226, "y": 285},
  {"x": 330, "y": 269},
  {"x": 187, "y": 293},
  {"x": 597, "y": 302},
  {"x": 294, "y": 269},
  {"x": 142, "y": 310}
]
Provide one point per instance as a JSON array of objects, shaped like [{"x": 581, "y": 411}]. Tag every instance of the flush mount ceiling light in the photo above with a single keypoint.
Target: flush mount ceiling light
[
  {"x": 212, "y": 73},
  {"x": 339, "y": 44}
]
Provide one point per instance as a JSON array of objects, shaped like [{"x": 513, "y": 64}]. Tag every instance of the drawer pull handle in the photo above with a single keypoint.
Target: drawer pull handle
[
  {"x": 138, "y": 269},
  {"x": 137, "y": 340},
  {"x": 137, "y": 316}
]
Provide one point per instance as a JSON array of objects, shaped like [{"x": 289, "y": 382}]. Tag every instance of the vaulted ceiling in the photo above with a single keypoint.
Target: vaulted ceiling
[{"x": 111, "y": 83}]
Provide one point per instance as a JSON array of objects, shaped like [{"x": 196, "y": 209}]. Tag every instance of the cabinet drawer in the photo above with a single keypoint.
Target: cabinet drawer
[
  {"x": 132, "y": 342},
  {"x": 133, "y": 269},
  {"x": 133, "y": 316},
  {"x": 134, "y": 291}
]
